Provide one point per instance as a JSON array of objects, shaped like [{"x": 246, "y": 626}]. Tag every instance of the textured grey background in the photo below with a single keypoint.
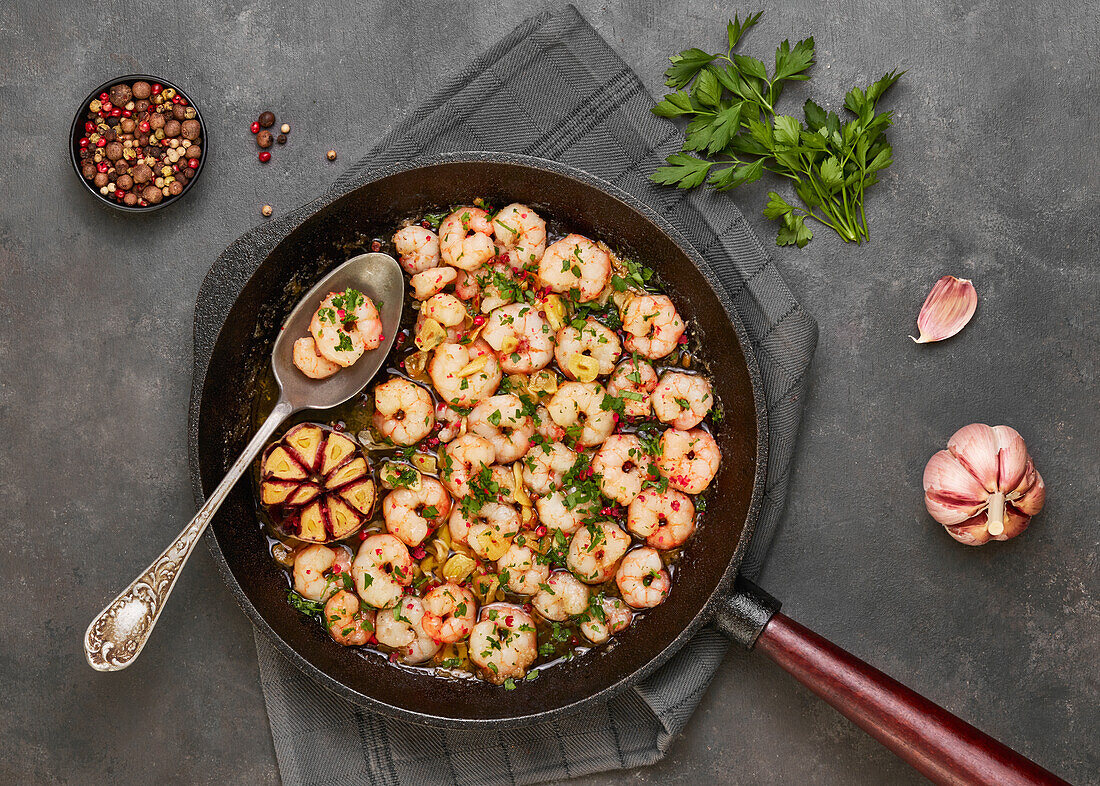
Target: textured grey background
[{"x": 996, "y": 178}]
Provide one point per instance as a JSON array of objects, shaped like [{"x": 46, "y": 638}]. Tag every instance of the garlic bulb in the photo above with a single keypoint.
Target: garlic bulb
[
  {"x": 946, "y": 310},
  {"x": 984, "y": 486}
]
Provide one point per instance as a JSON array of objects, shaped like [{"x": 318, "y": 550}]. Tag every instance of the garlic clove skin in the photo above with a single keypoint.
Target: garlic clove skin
[
  {"x": 947, "y": 309},
  {"x": 984, "y": 486}
]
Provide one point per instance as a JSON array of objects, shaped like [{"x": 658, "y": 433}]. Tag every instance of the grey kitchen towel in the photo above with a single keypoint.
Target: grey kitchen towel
[{"x": 553, "y": 89}]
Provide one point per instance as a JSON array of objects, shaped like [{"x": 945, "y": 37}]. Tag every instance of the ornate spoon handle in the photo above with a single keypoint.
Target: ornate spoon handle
[{"x": 117, "y": 635}]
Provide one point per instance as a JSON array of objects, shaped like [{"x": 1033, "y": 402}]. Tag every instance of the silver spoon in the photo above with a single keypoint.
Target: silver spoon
[{"x": 116, "y": 637}]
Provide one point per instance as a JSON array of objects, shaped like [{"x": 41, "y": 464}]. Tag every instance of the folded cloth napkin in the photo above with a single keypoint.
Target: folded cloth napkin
[{"x": 554, "y": 89}]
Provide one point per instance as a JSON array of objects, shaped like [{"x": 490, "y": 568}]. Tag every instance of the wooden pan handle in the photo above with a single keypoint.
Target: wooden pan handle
[{"x": 942, "y": 747}]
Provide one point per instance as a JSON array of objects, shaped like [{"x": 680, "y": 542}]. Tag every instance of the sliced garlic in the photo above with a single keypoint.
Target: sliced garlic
[
  {"x": 416, "y": 364},
  {"x": 425, "y": 462},
  {"x": 543, "y": 383},
  {"x": 556, "y": 311},
  {"x": 458, "y": 567},
  {"x": 584, "y": 368},
  {"x": 429, "y": 335},
  {"x": 473, "y": 367},
  {"x": 509, "y": 345},
  {"x": 397, "y": 475}
]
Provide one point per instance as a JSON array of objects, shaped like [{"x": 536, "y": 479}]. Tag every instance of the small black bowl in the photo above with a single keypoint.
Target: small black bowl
[{"x": 77, "y": 132}]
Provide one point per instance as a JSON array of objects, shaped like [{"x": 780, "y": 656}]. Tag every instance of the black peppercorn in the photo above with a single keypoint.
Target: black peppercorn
[
  {"x": 281, "y": 139},
  {"x": 267, "y": 119}
]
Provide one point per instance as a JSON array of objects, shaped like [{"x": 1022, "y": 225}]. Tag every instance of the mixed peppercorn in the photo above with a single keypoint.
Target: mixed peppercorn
[{"x": 142, "y": 143}]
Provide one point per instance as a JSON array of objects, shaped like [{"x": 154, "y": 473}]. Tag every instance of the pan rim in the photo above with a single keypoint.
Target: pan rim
[{"x": 722, "y": 586}]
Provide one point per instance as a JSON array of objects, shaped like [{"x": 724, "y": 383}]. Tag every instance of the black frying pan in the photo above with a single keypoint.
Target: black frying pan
[{"x": 704, "y": 592}]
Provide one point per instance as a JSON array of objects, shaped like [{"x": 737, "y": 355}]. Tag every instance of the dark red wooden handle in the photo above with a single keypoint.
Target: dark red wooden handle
[{"x": 943, "y": 747}]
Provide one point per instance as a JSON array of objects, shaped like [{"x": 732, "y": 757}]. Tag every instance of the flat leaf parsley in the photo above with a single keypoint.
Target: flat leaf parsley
[{"x": 735, "y": 133}]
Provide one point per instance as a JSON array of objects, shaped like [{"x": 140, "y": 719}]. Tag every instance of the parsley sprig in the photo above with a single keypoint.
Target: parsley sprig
[{"x": 735, "y": 133}]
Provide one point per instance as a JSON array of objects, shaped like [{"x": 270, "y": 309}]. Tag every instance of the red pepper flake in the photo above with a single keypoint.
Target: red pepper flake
[
  {"x": 508, "y": 620},
  {"x": 540, "y": 530},
  {"x": 340, "y": 314},
  {"x": 675, "y": 504},
  {"x": 479, "y": 320},
  {"x": 683, "y": 339},
  {"x": 418, "y": 552}
]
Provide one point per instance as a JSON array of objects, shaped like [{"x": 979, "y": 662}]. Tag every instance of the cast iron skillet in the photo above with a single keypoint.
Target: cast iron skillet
[{"x": 704, "y": 592}]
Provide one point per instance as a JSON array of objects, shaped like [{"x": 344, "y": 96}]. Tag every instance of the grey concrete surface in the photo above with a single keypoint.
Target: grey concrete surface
[{"x": 996, "y": 178}]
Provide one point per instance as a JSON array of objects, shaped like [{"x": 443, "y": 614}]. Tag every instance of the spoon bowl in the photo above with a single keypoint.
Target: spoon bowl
[
  {"x": 376, "y": 275},
  {"x": 117, "y": 635}
]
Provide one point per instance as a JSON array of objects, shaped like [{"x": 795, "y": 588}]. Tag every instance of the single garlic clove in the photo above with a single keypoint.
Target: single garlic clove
[
  {"x": 975, "y": 446},
  {"x": 946, "y": 310},
  {"x": 1033, "y": 498},
  {"x": 1012, "y": 459},
  {"x": 951, "y": 493}
]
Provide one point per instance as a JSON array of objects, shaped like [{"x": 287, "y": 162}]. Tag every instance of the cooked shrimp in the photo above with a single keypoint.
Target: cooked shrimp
[
  {"x": 449, "y": 613},
  {"x": 666, "y": 519},
  {"x": 521, "y": 571},
  {"x": 622, "y": 465},
  {"x": 348, "y": 623},
  {"x": 466, "y": 286},
  {"x": 337, "y": 340},
  {"x": 653, "y": 326},
  {"x": 595, "y": 551},
  {"x": 501, "y": 420},
  {"x": 522, "y": 339},
  {"x": 463, "y": 458},
  {"x": 463, "y": 374},
  {"x": 545, "y": 426},
  {"x": 575, "y": 262},
  {"x": 689, "y": 459},
  {"x": 448, "y": 311},
  {"x": 562, "y": 597},
  {"x": 497, "y": 285},
  {"x": 488, "y": 528},
  {"x": 642, "y": 579},
  {"x": 403, "y": 411},
  {"x": 520, "y": 234},
  {"x": 430, "y": 282},
  {"x": 503, "y": 642},
  {"x": 450, "y": 422},
  {"x": 466, "y": 238},
  {"x": 319, "y": 571},
  {"x": 579, "y": 406},
  {"x": 382, "y": 569},
  {"x": 682, "y": 400},
  {"x": 606, "y": 615},
  {"x": 593, "y": 348},
  {"x": 402, "y": 629},
  {"x": 311, "y": 362},
  {"x": 417, "y": 248},
  {"x": 410, "y": 515},
  {"x": 545, "y": 465},
  {"x": 556, "y": 514},
  {"x": 633, "y": 381}
]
